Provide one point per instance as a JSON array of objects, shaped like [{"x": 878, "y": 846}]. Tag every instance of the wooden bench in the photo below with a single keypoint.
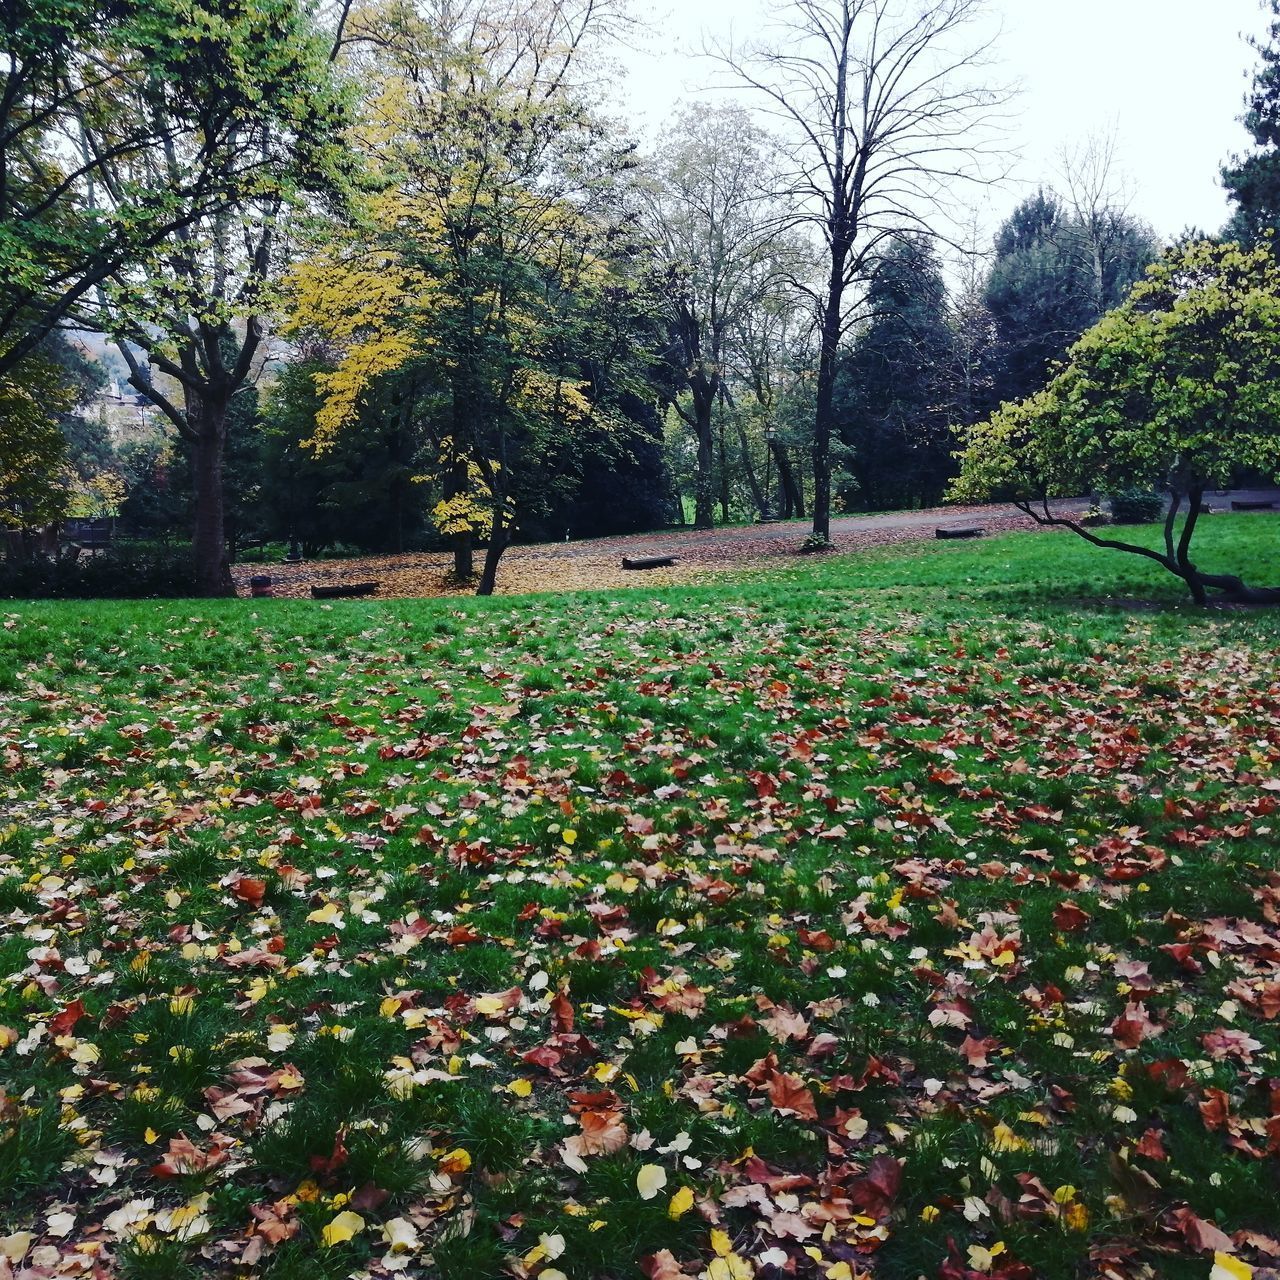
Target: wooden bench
[
  {"x": 1253, "y": 504},
  {"x": 947, "y": 534},
  {"x": 337, "y": 589},
  {"x": 647, "y": 562}
]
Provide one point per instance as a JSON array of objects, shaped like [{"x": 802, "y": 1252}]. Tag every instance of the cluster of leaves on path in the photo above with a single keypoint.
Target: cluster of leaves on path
[{"x": 681, "y": 936}]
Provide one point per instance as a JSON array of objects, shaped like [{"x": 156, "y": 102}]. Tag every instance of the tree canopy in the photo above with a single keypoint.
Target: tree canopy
[{"x": 1175, "y": 389}]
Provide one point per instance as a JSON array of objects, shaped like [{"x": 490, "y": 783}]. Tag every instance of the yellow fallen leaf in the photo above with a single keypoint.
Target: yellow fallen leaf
[
  {"x": 1225, "y": 1267},
  {"x": 456, "y": 1161},
  {"x": 14, "y": 1248},
  {"x": 330, "y": 913},
  {"x": 730, "y": 1268},
  {"x": 489, "y": 1006},
  {"x": 342, "y": 1228},
  {"x": 522, "y": 1088},
  {"x": 681, "y": 1203},
  {"x": 650, "y": 1180},
  {"x": 721, "y": 1245}
]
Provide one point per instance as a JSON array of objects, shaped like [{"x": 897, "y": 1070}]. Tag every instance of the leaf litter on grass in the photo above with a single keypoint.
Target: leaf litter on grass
[{"x": 637, "y": 938}]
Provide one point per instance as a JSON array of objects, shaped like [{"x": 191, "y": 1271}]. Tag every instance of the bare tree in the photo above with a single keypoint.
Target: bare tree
[
  {"x": 1107, "y": 235},
  {"x": 715, "y": 234},
  {"x": 885, "y": 111}
]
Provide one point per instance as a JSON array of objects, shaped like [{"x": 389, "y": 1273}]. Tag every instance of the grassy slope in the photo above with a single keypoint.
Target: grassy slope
[{"x": 784, "y": 847}]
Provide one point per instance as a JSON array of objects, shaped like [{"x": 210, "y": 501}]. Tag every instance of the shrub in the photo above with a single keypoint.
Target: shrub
[
  {"x": 1136, "y": 506},
  {"x": 122, "y": 572}
]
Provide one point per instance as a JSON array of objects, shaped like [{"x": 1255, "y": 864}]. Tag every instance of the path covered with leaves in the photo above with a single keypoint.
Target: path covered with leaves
[
  {"x": 790, "y": 931},
  {"x": 596, "y": 564}
]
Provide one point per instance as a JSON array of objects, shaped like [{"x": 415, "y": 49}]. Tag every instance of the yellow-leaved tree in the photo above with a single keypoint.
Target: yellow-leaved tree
[{"x": 488, "y": 276}]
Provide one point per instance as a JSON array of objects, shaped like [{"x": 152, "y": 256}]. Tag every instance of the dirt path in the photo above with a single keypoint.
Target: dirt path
[{"x": 596, "y": 564}]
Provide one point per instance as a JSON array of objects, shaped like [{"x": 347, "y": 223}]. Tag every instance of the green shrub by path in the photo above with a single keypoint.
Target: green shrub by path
[
  {"x": 941, "y": 875},
  {"x": 1136, "y": 506}
]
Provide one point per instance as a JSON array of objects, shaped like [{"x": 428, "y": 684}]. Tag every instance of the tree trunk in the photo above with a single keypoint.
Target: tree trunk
[
  {"x": 704, "y": 488},
  {"x": 760, "y": 497},
  {"x": 208, "y": 418},
  {"x": 824, "y": 411},
  {"x": 499, "y": 541},
  {"x": 792, "y": 490},
  {"x": 724, "y": 476}
]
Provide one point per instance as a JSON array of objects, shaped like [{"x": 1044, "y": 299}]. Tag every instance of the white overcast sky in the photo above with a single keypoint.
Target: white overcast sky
[{"x": 1167, "y": 77}]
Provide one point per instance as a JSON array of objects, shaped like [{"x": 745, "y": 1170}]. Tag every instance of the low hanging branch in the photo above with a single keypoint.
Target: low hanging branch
[
  {"x": 1175, "y": 389},
  {"x": 1176, "y": 559}
]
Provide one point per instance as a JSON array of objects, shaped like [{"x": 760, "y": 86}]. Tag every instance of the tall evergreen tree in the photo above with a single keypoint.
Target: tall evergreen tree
[
  {"x": 894, "y": 395},
  {"x": 1253, "y": 181},
  {"x": 1054, "y": 275}
]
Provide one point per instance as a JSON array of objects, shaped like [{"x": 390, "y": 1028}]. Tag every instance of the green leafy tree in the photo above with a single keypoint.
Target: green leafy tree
[
  {"x": 1175, "y": 389},
  {"x": 485, "y": 270},
  {"x": 124, "y": 127},
  {"x": 33, "y": 488},
  {"x": 197, "y": 310},
  {"x": 364, "y": 489}
]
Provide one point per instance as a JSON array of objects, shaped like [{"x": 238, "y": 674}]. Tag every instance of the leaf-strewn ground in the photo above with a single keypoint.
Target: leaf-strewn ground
[
  {"x": 595, "y": 564},
  {"x": 891, "y": 915}
]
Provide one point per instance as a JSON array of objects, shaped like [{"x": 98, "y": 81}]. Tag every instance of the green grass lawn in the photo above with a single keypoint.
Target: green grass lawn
[{"x": 911, "y": 914}]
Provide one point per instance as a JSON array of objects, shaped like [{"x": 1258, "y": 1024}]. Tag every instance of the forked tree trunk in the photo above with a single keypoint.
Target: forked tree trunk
[
  {"x": 1176, "y": 557},
  {"x": 758, "y": 495}
]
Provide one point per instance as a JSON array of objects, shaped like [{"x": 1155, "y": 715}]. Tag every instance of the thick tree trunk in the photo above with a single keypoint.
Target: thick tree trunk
[{"x": 207, "y": 416}]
